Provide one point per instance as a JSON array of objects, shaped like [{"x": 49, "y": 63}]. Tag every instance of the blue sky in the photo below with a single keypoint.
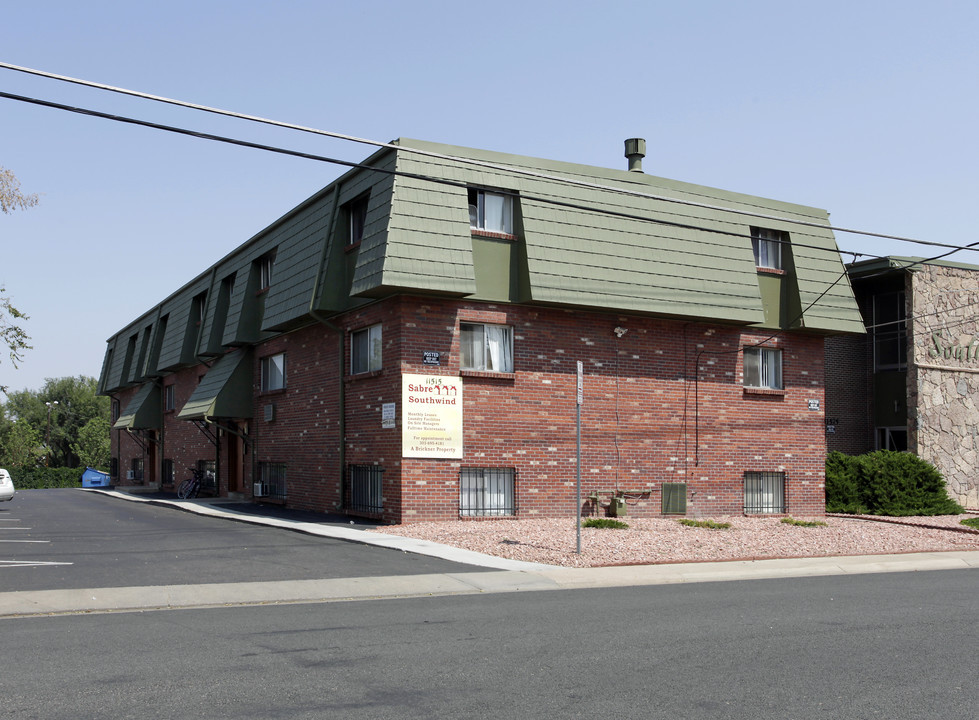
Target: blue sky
[{"x": 866, "y": 109}]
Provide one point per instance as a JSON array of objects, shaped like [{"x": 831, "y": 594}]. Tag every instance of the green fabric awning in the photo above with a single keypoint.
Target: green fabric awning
[
  {"x": 226, "y": 390},
  {"x": 143, "y": 411}
]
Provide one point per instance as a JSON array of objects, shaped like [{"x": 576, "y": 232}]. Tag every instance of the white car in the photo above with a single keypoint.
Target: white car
[{"x": 6, "y": 486}]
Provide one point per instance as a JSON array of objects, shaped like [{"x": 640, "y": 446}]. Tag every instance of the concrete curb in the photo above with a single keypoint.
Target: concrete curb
[{"x": 172, "y": 597}]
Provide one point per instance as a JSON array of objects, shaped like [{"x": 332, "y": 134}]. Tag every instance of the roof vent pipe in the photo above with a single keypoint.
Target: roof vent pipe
[{"x": 635, "y": 150}]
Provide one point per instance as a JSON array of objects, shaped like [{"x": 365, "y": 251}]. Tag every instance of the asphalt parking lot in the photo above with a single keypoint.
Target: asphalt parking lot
[{"x": 68, "y": 539}]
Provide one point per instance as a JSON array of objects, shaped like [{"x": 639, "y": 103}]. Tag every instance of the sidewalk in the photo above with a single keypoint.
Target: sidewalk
[{"x": 511, "y": 575}]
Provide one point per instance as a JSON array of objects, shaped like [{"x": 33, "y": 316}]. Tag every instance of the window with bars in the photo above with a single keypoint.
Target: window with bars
[
  {"x": 366, "y": 489},
  {"x": 487, "y": 492},
  {"x": 764, "y": 492},
  {"x": 209, "y": 475},
  {"x": 271, "y": 480}
]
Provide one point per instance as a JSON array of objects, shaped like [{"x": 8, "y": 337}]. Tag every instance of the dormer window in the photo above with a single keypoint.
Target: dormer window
[
  {"x": 767, "y": 246},
  {"x": 356, "y": 220},
  {"x": 265, "y": 265},
  {"x": 490, "y": 211}
]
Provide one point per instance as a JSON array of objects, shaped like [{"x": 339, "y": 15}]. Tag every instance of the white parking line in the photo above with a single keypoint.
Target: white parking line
[
  {"x": 25, "y": 541},
  {"x": 29, "y": 563}
]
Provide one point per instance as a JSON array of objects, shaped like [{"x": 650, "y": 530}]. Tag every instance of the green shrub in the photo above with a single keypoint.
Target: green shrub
[
  {"x": 709, "y": 524},
  {"x": 886, "y": 483},
  {"x": 803, "y": 523},
  {"x": 972, "y": 522},
  {"x": 33, "y": 478},
  {"x": 602, "y": 522},
  {"x": 843, "y": 484}
]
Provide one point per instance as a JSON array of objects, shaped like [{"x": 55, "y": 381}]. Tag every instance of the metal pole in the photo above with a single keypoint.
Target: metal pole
[{"x": 577, "y": 506}]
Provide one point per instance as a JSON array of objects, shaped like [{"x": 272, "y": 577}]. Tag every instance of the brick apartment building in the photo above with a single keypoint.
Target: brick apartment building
[
  {"x": 405, "y": 344},
  {"x": 912, "y": 382}
]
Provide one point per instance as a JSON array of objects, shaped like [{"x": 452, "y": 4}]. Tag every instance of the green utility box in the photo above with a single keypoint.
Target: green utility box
[{"x": 616, "y": 507}]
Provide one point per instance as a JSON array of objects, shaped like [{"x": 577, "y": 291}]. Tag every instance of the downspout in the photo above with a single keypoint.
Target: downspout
[{"x": 317, "y": 314}]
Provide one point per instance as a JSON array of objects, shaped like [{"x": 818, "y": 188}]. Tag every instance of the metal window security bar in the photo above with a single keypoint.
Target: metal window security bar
[
  {"x": 271, "y": 481},
  {"x": 764, "y": 492},
  {"x": 487, "y": 492},
  {"x": 366, "y": 484},
  {"x": 208, "y": 470}
]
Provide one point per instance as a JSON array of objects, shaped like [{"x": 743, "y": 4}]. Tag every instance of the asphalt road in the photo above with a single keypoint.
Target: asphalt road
[
  {"x": 62, "y": 539},
  {"x": 890, "y": 646}
]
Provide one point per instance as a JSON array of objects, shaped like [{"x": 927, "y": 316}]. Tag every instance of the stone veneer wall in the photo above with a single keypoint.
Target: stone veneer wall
[{"x": 943, "y": 383}]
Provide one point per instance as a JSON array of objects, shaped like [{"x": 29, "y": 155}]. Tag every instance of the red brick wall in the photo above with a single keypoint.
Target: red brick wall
[
  {"x": 645, "y": 420},
  {"x": 849, "y": 393}
]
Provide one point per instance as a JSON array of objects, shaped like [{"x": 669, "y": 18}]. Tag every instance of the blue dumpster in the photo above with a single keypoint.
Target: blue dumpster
[{"x": 93, "y": 478}]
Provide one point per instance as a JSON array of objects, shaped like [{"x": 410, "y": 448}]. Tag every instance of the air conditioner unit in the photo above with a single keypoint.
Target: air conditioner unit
[
  {"x": 130, "y": 475},
  {"x": 270, "y": 412},
  {"x": 258, "y": 490}
]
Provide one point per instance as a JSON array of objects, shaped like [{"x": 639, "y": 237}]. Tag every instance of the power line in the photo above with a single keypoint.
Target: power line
[
  {"x": 470, "y": 161},
  {"x": 566, "y": 204}
]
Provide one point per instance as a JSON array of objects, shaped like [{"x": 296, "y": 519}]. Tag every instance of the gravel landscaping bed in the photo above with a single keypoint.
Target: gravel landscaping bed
[{"x": 665, "y": 540}]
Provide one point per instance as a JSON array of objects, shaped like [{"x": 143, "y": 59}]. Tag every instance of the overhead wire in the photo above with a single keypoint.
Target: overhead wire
[{"x": 470, "y": 161}]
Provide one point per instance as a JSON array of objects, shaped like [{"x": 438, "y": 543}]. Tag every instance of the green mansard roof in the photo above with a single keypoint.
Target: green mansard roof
[{"x": 663, "y": 247}]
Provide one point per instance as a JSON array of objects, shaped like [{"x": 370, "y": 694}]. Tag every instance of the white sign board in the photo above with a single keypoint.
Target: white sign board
[
  {"x": 431, "y": 416},
  {"x": 387, "y": 415}
]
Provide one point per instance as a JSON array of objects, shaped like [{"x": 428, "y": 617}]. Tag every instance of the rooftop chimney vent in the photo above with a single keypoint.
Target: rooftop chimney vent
[{"x": 635, "y": 151}]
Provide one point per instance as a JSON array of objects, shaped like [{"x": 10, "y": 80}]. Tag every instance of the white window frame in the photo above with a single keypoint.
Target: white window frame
[
  {"x": 356, "y": 220},
  {"x": 265, "y": 266},
  {"x": 490, "y": 350},
  {"x": 767, "y": 247},
  {"x": 274, "y": 372},
  {"x": 366, "y": 350},
  {"x": 763, "y": 368},
  {"x": 490, "y": 211}
]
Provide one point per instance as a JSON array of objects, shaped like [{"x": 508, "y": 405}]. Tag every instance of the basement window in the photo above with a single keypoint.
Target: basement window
[
  {"x": 487, "y": 492},
  {"x": 764, "y": 493},
  {"x": 490, "y": 212}
]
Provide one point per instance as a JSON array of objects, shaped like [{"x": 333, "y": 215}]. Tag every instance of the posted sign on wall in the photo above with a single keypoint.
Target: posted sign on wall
[{"x": 431, "y": 424}]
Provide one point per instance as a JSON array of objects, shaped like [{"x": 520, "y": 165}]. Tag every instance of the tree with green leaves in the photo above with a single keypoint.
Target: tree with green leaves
[
  {"x": 92, "y": 445},
  {"x": 11, "y": 333},
  {"x": 58, "y": 412},
  {"x": 20, "y": 445}
]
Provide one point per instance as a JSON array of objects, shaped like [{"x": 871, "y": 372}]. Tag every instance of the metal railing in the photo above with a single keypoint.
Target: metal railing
[
  {"x": 764, "y": 492},
  {"x": 366, "y": 489},
  {"x": 487, "y": 492},
  {"x": 272, "y": 477}
]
